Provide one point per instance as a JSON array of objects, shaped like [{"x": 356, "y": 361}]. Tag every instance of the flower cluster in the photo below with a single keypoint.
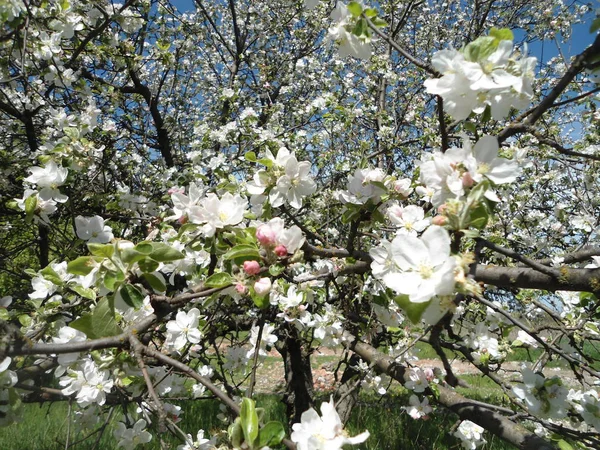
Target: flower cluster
[
  {"x": 419, "y": 268},
  {"x": 484, "y": 73},
  {"x": 287, "y": 180},
  {"x": 449, "y": 175},
  {"x": 324, "y": 432}
]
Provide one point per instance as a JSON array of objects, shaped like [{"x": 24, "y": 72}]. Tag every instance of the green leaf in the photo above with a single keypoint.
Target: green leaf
[
  {"x": 165, "y": 253},
  {"x": 470, "y": 126},
  {"x": 83, "y": 265},
  {"x": 110, "y": 279},
  {"x": 502, "y": 34},
  {"x": 104, "y": 250},
  {"x": 249, "y": 420},
  {"x": 360, "y": 27},
  {"x": 250, "y": 156},
  {"x": 50, "y": 274},
  {"x": 379, "y": 23},
  {"x": 130, "y": 255},
  {"x": 261, "y": 302},
  {"x": 83, "y": 292},
  {"x": 218, "y": 280},
  {"x": 235, "y": 433},
  {"x": 266, "y": 162},
  {"x": 480, "y": 48},
  {"x": 480, "y": 215},
  {"x": 30, "y": 207},
  {"x": 241, "y": 253},
  {"x": 104, "y": 323},
  {"x": 148, "y": 265},
  {"x": 414, "y": 311},
  {"x": 370, "y": 12},
  {"x": 355, "y": 9},
  {"x": 132, "y": 295},
  {"x": 595, "y": 26},
  {"x": 155, "y": 282},
  {"x": 99, "y": 323},
  {"x": 564, "y": 445},
  {"x": 144, "y": 248},
  {"x": 84, "y": 324},
  {"x": 271, "y": 434},
  {"x": 25, "y": 320},
  {"x": 276, "y": 269}
]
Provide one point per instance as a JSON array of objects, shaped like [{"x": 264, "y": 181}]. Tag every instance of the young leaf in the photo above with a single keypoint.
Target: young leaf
[
  {"x": 103, "y": 322},
  {"x": 132, "y": 295},
  {"x": 271, "y": 434},
  {"x": 501, "y": 34},
  {"x": 88, "y": 293},
  {"x": 104, "y": 250},
  {"x": 218, "y": 280},
  {"x": 50, "y": 274},
  {"x": 355, "y": 9},
  {"x": 83, "y": 265},
  {"x": 155, "y": 282},
  {"x": 414, "y": 311},
  {"x": 249, "y": 420},
  {"x": 241, "y": 253},
  {"x": 165, "y": 253}
]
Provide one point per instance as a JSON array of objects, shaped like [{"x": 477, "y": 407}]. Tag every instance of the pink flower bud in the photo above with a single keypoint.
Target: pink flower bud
[
  {"x": 251, "y": 267},
  {"x": 281, "y": 251},
  {"x": 266, "y": 235},
  {"x": 467, "y": 180},
  {"x": 262, "y": 287},
  {"x": 439, "y": 220},
  {"x": 182, "y": 220},
  {"x": 241, "y": 289},
  {"x": 429, "y": 375}
]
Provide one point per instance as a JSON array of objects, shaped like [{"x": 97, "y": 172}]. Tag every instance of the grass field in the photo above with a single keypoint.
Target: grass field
[{"x": 45, "y": 427}]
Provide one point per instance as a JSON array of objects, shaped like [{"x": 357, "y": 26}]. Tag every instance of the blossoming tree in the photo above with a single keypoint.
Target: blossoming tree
[{"x": 185, "y": 189}]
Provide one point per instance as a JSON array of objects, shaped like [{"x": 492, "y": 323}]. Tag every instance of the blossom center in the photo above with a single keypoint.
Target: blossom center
[{"x": 425, "y": 270}]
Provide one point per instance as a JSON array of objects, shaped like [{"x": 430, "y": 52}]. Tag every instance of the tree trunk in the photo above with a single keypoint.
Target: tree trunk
[{"x": 298, "y": 374}]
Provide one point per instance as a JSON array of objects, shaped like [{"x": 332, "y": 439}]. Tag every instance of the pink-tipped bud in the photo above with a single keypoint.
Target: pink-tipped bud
[
  {"x": 467, "y": 180},
  {"x": 241, "y": 289},
  {"x": 266, "y": 235},
  {"x": 442, "y": 208},
  {"x": 251, "y": 267},
  {"x": 429, "y": 375},
  {"x": 439, "y": 220},
  {"x": 183, "y": 220},
  {"x": 262, "y": 287},
  {"x": 281, "y": 251}
]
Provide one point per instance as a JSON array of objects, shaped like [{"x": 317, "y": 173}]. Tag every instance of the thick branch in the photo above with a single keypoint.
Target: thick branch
[{"x": 466, "y": 409}]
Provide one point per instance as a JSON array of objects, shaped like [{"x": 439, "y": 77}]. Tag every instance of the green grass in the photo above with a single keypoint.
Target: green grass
[{"x": 45, "y": 428}]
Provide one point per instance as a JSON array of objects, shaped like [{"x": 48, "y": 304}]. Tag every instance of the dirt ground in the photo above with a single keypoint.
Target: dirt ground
[{"x": 271, "y": 376}]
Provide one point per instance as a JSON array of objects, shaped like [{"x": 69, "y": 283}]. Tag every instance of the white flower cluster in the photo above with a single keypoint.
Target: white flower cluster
[
  {"x": 543, "y": 397},
  {"x": 364, "y": 185},
  {"x": 420, "y": 268},
  {"x": 349, "y": 44},
  {"x": 212, "y": 212},
  {"x": 449, "y": 175},
  {"x": 470, "y": 435},
  {"x": 324, "y": 432},
  {"x": 42, "y": 201},
  {"x": 290, "y": 180},
  {"x": 89, "y": 383},
  {"x": 485, "y": 73}
]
